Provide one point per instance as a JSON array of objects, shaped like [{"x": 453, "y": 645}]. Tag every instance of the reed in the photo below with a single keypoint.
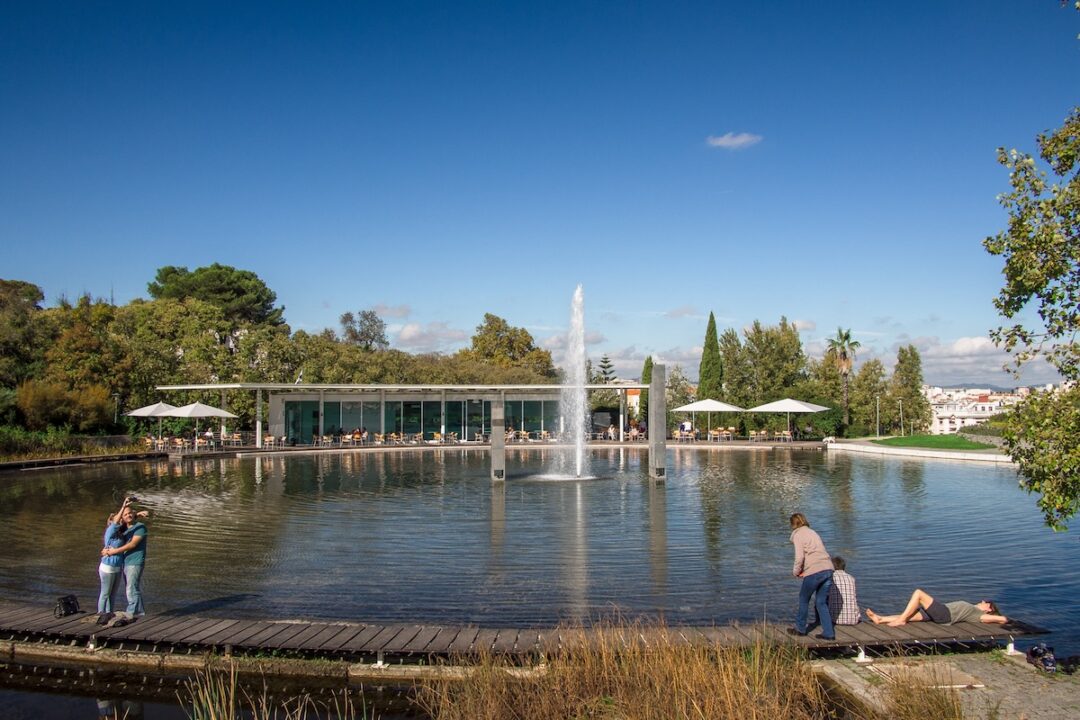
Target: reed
[
  {"x": 218, "y": 695},
  {"x": 634, "y": 672}
]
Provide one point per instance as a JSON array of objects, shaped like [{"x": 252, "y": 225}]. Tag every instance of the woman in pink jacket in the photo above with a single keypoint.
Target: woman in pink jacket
[{"x": 814, "y": 565}]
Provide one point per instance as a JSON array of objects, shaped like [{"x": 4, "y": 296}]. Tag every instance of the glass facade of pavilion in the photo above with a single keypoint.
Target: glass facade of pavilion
[{"x": 465, "y": 418}]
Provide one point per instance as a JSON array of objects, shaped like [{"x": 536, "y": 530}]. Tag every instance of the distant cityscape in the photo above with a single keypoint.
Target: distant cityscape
[{"x": 957, "y": 408}]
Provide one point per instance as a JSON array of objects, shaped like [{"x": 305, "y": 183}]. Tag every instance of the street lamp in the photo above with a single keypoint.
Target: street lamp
[
  {"x": 901, "y": 401},
  {"x": 116, "y": 408},
  {"x": 877, "y": 400}
]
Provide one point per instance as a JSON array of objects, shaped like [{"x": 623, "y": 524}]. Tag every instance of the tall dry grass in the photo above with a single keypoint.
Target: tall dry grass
[
  {"x": 631, "y": 672},
  {"x": 218, "y": 695}
]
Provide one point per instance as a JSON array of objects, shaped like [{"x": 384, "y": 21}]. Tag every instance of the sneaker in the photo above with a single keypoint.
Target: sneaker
[
  {"x": 795, "y": 631},
  {"x": 823, "y": 636}
]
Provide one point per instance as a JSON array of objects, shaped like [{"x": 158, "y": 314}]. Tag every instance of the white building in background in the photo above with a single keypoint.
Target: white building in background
[{"x": 956, "y": 408}]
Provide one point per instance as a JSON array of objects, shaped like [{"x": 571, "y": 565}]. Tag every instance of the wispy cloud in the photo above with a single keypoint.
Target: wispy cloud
[
  {"x": 804, "y": 325},
  {"x": 688, "y": 311},
  {"x": 434, "y": 336},
  {"x": 733, "y": 141},
  {"x": 392, "y": 311}
]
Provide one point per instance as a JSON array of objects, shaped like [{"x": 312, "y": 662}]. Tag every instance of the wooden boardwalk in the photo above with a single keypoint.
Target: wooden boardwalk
[{"x": 192, "y": 634}]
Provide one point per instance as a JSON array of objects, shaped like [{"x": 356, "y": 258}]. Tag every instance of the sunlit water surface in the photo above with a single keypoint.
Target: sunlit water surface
[{"x": 427, "y": 537}]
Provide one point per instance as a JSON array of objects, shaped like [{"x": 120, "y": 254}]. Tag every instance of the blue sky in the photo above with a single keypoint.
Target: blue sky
[{"x": 833, "y": 163}]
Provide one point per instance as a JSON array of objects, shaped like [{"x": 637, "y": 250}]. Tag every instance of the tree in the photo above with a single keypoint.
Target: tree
[
  {"x": 646, "y": 378},
  {"x": 367, "y": 331},
  {"x": 501, "y": 344},
  {"x": 239, "y": 293},
  {"x": 869, "y": 392},
  {"x": 1041, "y": 249},
  {"x": 843, "y": 349},
  {"x": 679, "y": 392},
  {"x": 20, "y": 348},
  {"x": 906, "y": 388},
  {"x": 736, "y": 387},
  {"x": 711, "y": 370},
  {"x": 604, "y": 373},
  {"x": 774, "y": 360},
  {"x": 606, "y": 369}
]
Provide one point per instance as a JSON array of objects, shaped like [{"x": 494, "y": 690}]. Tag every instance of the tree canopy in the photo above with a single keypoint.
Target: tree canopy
[
  {"x": 500, "y": 343},
  {"x": 366, "y": 330},
  {"x": 1041, "y": 250},
  {"x": 242, "y": 296}
]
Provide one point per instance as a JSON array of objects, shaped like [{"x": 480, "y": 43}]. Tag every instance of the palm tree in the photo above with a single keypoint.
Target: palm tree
[{"x": 843, "y": 348}]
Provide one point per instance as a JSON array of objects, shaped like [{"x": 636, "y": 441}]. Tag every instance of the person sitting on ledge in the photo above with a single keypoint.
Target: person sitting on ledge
[{"x": 923, "y": 608}]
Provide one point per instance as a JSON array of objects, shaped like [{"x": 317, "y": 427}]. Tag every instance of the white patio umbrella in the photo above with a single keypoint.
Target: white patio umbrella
[
  {"x": 708, "y": 406},
  {"x": 158, "y": 410},
  {"x": 787, "y": 405},
  {"x": 198, "y": 410}
]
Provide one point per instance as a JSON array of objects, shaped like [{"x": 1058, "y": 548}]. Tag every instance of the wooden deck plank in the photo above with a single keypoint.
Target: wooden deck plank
[
  {"x": 163, "y": 633},
  {"x": 12, "y": 616},
  {"x": 143, "y": 623},
  {"x": 238, "y": 636},
  {"x": 505, "y": 642},
  {"x": 440, "y": 644},
  {"x": 182, "y": 633},
  {"x": 208, "y": 636},
  {"x": 484, "y": 640},
  {"x": 359, "y": 643},
  {"x": 18, "y": 619},
  {"x": 335, "y": 643},
  {"x": 263, "y": 639},
  {"x": 419, "y": 644},
  {"x": 402, "y": 639},
  {"x": 281, "y": 639},
  {"x": 464, "y": 640},
  {"x": 302, "y": 640},
  {"x": 380, "y": 639},
  {"x": 332, "y": 630}
]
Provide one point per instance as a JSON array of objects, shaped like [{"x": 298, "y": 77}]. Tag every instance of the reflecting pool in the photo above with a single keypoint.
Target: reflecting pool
[{"x": 427, "y": 537}]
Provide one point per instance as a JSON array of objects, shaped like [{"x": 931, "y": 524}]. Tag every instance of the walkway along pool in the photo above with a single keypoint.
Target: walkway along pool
[{"x": 427, "y": 537}]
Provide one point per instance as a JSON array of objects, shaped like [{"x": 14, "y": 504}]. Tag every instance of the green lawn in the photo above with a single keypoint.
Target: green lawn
[{"x": 935, "y": 442}]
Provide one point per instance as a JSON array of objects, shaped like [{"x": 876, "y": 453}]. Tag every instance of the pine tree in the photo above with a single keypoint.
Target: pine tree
[
  {"x": 607, "y": 370},
  {"x": 711, "y": 371}
]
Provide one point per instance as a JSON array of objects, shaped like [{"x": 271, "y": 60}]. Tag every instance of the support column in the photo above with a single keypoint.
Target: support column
[
  {"x": 222, "y": 428},
  {"x": 498, "y": 440},
  {"x": 658, "y": 423},
  {"x": 258, "y": 419},
  {"x": 622, "y": 415},
  {"x": 322, "y": 425}
]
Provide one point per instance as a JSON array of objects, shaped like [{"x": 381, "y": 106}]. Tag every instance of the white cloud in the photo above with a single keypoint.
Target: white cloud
[
  {"x": 683, "y": 311},
  {"x": 733, "y": 141},
  {"x": 805, "y": 325},
  {"x": 972, "y": 361},
  {"x": 392, "y": 311},
  {"x": 435, "y": 336}
]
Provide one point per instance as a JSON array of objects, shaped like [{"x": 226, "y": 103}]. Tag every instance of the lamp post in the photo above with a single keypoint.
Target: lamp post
[
  {"x": 877, "y": 401},
  {"x": 901, "y": 401},
  {"x": 116, "y": 408}
]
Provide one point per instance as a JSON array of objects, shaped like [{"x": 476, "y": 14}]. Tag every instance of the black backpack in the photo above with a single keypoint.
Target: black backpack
[
  {"x": 1042, "y": 657},
  {"x": 66, "y": 605}
]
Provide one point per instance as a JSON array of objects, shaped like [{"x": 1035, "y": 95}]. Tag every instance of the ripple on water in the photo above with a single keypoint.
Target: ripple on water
[{"x": 430, "y": 538}]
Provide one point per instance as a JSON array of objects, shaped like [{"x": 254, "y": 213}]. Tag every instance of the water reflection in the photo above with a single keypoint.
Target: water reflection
[{"x": 427, "y": 537}]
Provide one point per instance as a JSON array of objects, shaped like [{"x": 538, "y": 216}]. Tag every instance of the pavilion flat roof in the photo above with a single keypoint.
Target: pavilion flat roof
[{"x": 372, "y": 387}]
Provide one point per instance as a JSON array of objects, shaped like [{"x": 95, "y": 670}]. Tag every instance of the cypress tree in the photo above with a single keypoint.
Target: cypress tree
[
  {"x": 711, "y": 370},
  {"x": 646, "y": 378}
]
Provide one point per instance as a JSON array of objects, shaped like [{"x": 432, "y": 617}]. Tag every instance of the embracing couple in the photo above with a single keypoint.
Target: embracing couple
[{"x": 125, "y": 550}]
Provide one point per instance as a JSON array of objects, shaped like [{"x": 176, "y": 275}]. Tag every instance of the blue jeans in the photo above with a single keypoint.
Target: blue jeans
[
  {"x": 134, "y": 592},
  {"x": 817, "y": 585},
  {"x": 109, "y": 582}
]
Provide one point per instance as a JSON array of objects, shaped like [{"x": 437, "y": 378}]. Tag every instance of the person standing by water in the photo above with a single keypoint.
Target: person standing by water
[
  {"x": 814, "y": 565},
  {"x": 111, "y": 565},
  {"x": 134, "y": 553}
]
